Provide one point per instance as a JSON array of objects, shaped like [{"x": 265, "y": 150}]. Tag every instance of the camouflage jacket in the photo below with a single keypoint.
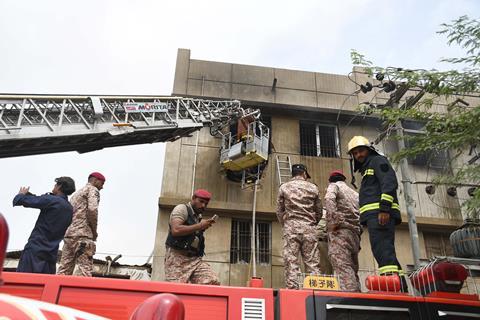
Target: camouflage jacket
[
  {"x": 85, "y": 213},
  {"x": 341, "y": 203},
  {"x": 299, "y": 202}
]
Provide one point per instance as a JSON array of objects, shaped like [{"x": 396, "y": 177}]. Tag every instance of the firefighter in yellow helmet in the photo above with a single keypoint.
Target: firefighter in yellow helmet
[{"x": 379, "y": 209}]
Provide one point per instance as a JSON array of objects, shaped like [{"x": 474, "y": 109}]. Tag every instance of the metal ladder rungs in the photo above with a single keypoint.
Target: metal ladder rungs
[{"x": 284, "y": 169}]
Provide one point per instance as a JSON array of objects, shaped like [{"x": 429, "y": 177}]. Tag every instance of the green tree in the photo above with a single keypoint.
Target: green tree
[{"x": 458, "y": 128}]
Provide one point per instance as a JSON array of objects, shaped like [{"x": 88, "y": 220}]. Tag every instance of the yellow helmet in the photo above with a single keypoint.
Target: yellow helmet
[{"x": 358, "y": 141}]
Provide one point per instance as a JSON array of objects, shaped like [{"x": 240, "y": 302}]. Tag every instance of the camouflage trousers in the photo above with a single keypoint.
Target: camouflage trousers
[
  {"x": 185, "y": 269},
  {"x": 343, "y": 248},
  {"x": 304, "y": 242},
  {"x": 79, "y": 251}
]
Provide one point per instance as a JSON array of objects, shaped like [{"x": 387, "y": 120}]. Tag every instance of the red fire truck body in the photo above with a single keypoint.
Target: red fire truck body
[{"x": 117, "y": 299}]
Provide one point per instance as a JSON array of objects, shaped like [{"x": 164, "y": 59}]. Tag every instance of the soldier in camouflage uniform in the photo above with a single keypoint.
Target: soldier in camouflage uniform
[
  {"x": 79, "y": 242},
  {"x": 343, "y": 225},
  {"x": 185, "y": 244},
  {"x": 299, "y": 211}
]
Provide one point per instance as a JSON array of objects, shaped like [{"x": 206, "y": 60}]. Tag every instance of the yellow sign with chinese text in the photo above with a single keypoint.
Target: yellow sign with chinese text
[{"x": 321, "y": 283}]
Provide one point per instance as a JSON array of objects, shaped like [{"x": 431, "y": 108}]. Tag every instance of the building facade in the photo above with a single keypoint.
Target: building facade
[{"x": 312, "y": 116}]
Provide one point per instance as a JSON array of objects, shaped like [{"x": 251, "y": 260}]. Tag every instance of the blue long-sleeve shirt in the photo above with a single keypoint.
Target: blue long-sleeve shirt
[{"x": 55, "y": 217}]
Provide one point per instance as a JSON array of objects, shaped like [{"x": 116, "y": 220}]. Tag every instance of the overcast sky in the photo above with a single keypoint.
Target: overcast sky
[{"x": 129, "y": 47}]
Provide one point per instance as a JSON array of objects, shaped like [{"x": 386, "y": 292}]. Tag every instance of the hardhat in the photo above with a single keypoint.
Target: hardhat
[{"x": 358, "y": 141}]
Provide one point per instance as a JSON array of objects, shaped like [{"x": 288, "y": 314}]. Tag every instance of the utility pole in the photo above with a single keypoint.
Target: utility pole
[
  {"x": 407, "y": 191},
  {"x": 407, "y": 183},
  {"x": 253, "y": 240}
]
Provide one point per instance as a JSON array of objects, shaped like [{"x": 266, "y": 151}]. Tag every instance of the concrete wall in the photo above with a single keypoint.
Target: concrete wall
[{"x": 298, "y": 95}]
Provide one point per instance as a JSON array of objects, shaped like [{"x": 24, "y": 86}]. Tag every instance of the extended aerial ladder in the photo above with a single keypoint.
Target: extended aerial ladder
[{"x": 38, "y": 124}]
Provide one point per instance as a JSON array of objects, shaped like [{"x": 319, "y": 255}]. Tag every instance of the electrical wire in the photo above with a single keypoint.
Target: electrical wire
[
  {"x": 364, "y": 113},
  {"x": 344, "y": 101}
]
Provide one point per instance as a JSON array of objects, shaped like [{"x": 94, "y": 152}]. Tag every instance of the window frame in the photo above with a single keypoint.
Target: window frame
[
  {"x": 336, "y": 148},
  {"x": 237, "y": 259}
]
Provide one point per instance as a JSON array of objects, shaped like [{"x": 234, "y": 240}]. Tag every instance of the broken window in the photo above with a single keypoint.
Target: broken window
[
  {"x": 319, "y": 140},
  {"x": 241, "y": 251}
]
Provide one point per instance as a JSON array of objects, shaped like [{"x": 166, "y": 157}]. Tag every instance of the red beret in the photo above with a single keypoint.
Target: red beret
[
  {"x": 202, "y": 193},
  {"x": 337, "y": 173},
  {"x": 97, "y": 175}
]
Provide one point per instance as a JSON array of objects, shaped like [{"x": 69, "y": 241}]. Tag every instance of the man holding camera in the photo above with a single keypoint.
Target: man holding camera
[{"x": 185, "y": 244}]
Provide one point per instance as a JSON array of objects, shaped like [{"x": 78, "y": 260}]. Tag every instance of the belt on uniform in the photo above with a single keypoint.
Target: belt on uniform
[{"x": 186, "y": 253}]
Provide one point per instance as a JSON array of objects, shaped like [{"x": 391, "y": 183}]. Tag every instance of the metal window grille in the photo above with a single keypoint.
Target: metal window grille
[
  {"x": 240, "y": 250},
  {"x": 319, "y": 140}
]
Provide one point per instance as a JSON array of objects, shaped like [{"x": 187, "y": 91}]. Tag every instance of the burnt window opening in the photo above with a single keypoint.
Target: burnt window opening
[
  {"x": 319, "y": 140},
  {"x": 241, "y": 236}
]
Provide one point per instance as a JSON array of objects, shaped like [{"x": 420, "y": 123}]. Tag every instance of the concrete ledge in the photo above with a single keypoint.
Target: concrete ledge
[{"x": 219, "y": 206}]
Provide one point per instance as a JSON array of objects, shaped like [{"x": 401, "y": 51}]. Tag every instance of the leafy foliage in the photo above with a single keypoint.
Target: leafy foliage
[{"x": 455, "y": 128}]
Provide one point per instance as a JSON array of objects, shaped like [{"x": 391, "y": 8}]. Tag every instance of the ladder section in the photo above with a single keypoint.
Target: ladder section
[
  {"x": 37, "y": 124},
  {"x": 284, "y": 169}
]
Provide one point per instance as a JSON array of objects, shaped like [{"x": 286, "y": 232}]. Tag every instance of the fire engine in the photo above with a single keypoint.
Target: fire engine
[{"x": 43, "y": 124}]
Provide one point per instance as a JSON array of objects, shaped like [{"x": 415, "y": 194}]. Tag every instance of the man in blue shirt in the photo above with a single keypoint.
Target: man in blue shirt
[{"x": 40, "y": 252}]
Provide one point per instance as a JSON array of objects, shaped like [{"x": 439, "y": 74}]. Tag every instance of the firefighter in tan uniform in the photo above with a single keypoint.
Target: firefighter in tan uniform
[
  {"x": 79, "y": 242},
  {"x": 299, "y": 211},
  {"x": 185, "y": 244},
  {"x": 343, "y": 224}
]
